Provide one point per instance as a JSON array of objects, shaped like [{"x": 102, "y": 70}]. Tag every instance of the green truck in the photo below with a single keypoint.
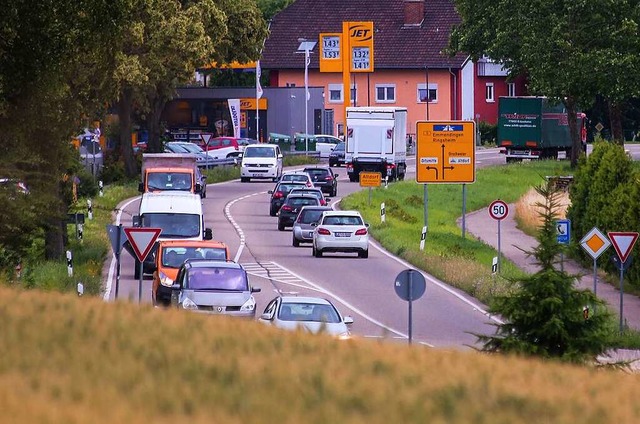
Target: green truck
[{"x": 535, "y": 128}]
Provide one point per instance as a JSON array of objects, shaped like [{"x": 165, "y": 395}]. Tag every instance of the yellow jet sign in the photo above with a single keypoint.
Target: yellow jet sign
[
  {"x": 361, "y": 46},
  {"x": 445, "y": 152}
]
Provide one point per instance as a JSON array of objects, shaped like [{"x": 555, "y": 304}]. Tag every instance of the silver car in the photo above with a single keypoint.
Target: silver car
[
  {"x": 312, "y": 314},
  {"x": 214, "y": 287},
  {"x": 303, "y": 225}
]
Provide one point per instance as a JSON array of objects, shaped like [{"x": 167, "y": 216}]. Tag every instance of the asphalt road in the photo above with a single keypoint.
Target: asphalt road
[{"x": 363, "y": 288}]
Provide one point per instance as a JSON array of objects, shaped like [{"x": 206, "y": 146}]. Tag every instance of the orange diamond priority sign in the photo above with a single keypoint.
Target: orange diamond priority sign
[{"x": 595, "y": 243}]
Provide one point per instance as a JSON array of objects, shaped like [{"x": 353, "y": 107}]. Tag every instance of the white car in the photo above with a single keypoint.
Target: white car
[
  {"x": 312, "y": 314},
  {"x": 298, "y": 177},
  {"x": 325, "y": 144},
  {"x": 341, "y": 231},
  {"x": 261, "y": 161}
]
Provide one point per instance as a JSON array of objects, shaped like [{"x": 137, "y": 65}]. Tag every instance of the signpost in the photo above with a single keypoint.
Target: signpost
[
  {"x": 563, "y": 236},
  {"x": 410, "y": 285},
  {"x": 595, "y": 243},
  {"x": 423, "y": 237},
  {"x": 623, "y": 243},
  {"x": 383, "y": 213},
  {"x": 370, "y": 179},
  {"x": 142, "y": 240},
  {"x": 205, "y": 139},
  {"x": 498, "y": 210}
]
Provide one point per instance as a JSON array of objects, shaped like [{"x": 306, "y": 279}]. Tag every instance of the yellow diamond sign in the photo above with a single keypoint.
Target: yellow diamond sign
[{"x": 595, "y": 243}]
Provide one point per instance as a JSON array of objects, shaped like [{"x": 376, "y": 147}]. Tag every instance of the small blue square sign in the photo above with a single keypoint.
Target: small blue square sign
[{"x": 563, "y": 231}]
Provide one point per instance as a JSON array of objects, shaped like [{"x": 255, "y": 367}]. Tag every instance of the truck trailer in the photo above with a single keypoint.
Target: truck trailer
[
  {"x": 534, "y": 128},
  {"x": 376, "y": 141}
]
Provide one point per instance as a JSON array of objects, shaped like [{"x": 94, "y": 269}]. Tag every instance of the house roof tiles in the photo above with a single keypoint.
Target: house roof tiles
[{"x": 396, "y": 46}]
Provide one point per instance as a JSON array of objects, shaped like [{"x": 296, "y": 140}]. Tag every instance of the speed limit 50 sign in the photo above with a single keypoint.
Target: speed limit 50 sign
[{"x": 498, "y": 210}]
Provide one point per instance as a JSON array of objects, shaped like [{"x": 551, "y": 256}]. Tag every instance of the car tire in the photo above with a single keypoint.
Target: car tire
[
  {"x": 204, "y": 194},
  {"x": 363, "y": 254},
  {"x": 295, "y": 242},
  {"x": 332, "y": 163},
  {"x": 272, "y": 212},
  {"x": 244, "y": 179},
  {"x": 280, "y": 226},
  {"x": 353, "y": 178},
  {"x": 317, "y": 253},
  {"x": 334, "y": 192}
]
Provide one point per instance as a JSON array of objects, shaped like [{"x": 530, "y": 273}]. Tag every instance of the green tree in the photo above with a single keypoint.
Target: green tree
[
  {"x": 567, "y": 48},
  {"x": 166, "y": 42},
  {"x": 544, "y": 314},
  {"x": 270, "y": 7},
  {"x": 55, "y": 57}
]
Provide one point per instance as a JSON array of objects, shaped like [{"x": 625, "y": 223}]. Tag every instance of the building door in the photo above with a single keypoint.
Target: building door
[{"x": 327, "y": 127}]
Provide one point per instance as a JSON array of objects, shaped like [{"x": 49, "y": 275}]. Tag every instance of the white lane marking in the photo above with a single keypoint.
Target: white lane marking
[
  {"x": 435, "y": 281},
  {"x": 112, "y": 265},
  {"x": 227, "y": 213},
  {"x": 348, "y": 305}
]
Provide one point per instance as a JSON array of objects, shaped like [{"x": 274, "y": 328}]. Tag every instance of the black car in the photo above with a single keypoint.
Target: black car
[
  {"x": 279, "y": 193},
  {"x": 336, "y": 157},
  {"x": 324, "y": 178},
  {"x": 292, "y": 205}
]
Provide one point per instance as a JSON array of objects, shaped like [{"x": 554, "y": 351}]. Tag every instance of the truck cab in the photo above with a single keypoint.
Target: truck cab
[{"x": 170, "y": 172}]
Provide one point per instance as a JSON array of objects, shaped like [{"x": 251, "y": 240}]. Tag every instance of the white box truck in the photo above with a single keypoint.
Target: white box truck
[{"x": 376, "y": 141}]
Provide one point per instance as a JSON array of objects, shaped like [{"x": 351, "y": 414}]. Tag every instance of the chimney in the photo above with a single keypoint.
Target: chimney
[{"x": 413, "y": 12}]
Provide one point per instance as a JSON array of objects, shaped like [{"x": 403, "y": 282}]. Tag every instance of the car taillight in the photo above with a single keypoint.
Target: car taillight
[
  {"x": 361, "y": 232},
  {"x": 323, "y": 202},
  {"x": 287, "y": 208},
  {"x": 324, "y": 231},
  {"x": 391, "y": 166},
  {"x": 278, "y": 194},
  {"x": 236, "y": 147}
]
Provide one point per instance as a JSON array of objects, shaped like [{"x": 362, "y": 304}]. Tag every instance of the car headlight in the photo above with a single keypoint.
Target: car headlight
[
  {"x": 189, "y": 304},
  {"x": 165, "y": 280},
  {"x": 249, "y": 305},
  {"x": 344, "y": 336}
]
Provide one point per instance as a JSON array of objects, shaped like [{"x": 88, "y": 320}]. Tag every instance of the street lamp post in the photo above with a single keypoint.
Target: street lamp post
[{"x": 306, "y": 46}]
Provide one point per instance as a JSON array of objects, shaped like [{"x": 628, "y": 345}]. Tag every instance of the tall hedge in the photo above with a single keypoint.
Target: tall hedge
[{"x": 606, "y": 194}]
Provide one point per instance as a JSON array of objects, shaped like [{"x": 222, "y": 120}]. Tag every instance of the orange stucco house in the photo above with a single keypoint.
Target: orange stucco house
[{"x": 410, "y": 69}]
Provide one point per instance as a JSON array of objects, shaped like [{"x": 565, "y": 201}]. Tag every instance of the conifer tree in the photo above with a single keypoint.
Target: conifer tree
[{"x": 544, "y": 315}]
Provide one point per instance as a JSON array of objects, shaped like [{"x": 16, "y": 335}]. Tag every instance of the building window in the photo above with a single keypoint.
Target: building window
[
  {"x": 385, "y": 93},
  {"x": 354, "y": 94},
  {"x": 427, "y": 95},
  {"x": 511, "y": 89},
  {"x": 335, "y": 93},
  {"x": 488, "y": 93}
]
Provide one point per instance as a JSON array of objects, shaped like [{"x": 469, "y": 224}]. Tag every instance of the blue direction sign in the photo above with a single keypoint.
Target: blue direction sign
[{"x": 563, "y": 231}]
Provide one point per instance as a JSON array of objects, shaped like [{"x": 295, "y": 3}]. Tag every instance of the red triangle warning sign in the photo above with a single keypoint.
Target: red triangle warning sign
[
  {"x": 142, "y": 240},
  {"x": 623, "y": 243}
]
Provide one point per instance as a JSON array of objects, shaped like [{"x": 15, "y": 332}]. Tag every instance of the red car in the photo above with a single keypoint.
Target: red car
[{"x": 227, "y": 146}]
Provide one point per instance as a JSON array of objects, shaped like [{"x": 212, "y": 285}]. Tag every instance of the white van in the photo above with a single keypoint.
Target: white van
[
  {"x": 261, "y": 161},
  {"x": 178, "y": 213}
]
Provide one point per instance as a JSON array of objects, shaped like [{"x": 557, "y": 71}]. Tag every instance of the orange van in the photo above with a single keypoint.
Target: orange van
[{"x": 170, "y": 256}]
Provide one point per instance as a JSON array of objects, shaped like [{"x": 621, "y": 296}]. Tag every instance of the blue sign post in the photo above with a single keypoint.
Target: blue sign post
[{"x": 563, "y": 233}]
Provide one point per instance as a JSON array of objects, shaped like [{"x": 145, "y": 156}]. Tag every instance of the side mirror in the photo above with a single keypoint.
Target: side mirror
[
  {"x": 366, "y": 224},
  {"x": 270, "y": 192},
  {"x": 176, "y": 287},
  {"x": 204, "y": 177},
  {"x": 198, "y": 187},
  {"x": 266, "y": 317},
  {"x": 314, "y": 224},
  {"x": 256, "y": 289},
  {"x": 141, "y": 187},
  {"x": 336, "y": 175},
  {"x": 348, "y": 320},
  {"x": 208, "y": 234},
  {"x": 280, "y": 156},
  {"x": 136, "y": 220},
  {"x": 328, "y": 199}
]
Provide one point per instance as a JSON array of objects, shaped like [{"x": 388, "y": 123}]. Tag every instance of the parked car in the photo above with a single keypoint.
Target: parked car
[
  {"x": 202, "y": 159},
  {"x": 214, "y": 287},
  {"x": 336, "y": 157},
  {"x": 324, "y": 178},
  {"x": 297, "y": 176},
  {"x": 91, "y": 154},
  {"x": 325, "y": 144},
  {"x": 13, "y": 184},
  {"x": 313, "y": 314},
  {"x": 291, "y": 206},
  {"x": 279, "y": 193},
  {"x": 303, "y": 226},
  {"x": 224, "y": 147},
  {"x": 170, "y": 256},
  {"x": 313, "y": 191},
  {"x": 261, "y": 161},
  {"x": 341, "y": 231}
]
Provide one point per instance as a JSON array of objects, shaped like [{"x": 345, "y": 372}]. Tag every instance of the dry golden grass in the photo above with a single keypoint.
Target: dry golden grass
[
  {"x": 527, "y": 213},
  {"x": 77, "y": 360}
]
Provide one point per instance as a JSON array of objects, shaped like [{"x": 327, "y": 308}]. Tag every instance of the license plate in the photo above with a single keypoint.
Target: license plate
[{"x": 343, "y": 234}]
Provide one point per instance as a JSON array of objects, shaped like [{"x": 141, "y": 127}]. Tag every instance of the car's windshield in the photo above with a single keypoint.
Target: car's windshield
[
  {"x": 342, "y": 220},
  {"x": 339, "y": 147},
  {"x": 192, "y": 148},
  {"x": 309, "y": 216},
  {"x": 174, "y": 256},
  {"x": 286, "y": 188},
  {"x": 302, "y": 201},
  {"x": 317, "y": 174},
  {"x": 231, "y": 279},
  {"x": 308, "y": 312},
  {"x": 180, "y": 181},
  {"x": 176, "y": 148},
  {"x": 295, "y": 177},
  {"x": 173, "y": 225},
  {"x": 260, "y": 152},
  {"x": 315, "y": 193}
]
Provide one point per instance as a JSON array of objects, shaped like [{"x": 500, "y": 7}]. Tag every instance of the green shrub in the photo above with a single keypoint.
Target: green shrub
[{"x": 488, "y": 133}]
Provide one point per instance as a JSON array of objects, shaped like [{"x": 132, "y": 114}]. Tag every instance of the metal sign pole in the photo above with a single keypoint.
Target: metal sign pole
[
  {"x": 499, "y": 250},
  {"x": 410, "y": 306},
  {"x": 369, "y": 196},
  {"x": 118, "y": 243},
  {"x": 621, "y": 293},
  {"x": 595, "y": 282},
  {"x": 426, "y": 206},
  {"x": 140, "y": 282},
  {"x": 464, "y": 209}
]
